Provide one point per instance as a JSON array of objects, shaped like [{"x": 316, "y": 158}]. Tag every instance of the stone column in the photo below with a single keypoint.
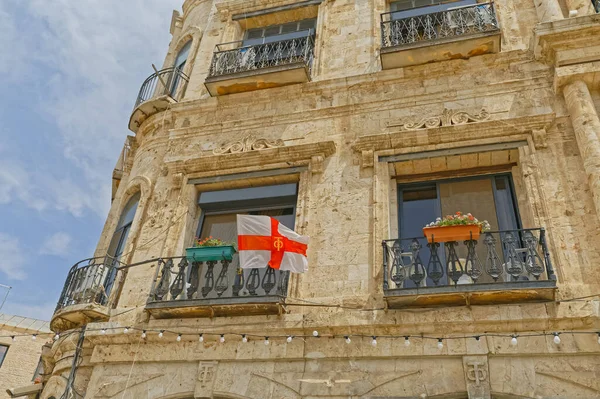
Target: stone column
[
  {"x": 548, "y": 10},
  {"x": 587, "y": 128},
  {"x": 583, "y": 7}
]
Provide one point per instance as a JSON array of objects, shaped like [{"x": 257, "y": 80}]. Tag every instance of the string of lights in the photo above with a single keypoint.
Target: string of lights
[{"x": 244, "y": 338}]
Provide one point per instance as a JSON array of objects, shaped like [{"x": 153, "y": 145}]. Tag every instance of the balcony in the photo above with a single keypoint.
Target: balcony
[
  {"x": 158, "y": 92},
  {"x": 213, "y": 289},
  {"x": 510, "y": 266},
  {"x": 236, "y": 68},
  {"x": 457, "y": 33},
  {"x": 86, "y": 296}
]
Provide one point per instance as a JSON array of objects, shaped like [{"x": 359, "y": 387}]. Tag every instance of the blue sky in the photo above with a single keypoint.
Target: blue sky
[{"x": 70, "y": 71}]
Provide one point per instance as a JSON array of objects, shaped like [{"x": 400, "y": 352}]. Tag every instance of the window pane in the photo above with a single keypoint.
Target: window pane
[
  {"x": 476, "y": 197},
  {"x": 183, "y": 55},
  {"x": 507, "y": 219},
  {"x": 289, "y": 27},
  {"x": 308, "y": 24},
  {"x": 129, "y": 211},
  {"x": 272, "y": 30},
  {"x": 254, "y": 33},
  {"x": 220, "y": 226},
  {"x": 3, "y": 350},
  {"x": 470, "y": 196},
  {"x": 419, "y": 208}
]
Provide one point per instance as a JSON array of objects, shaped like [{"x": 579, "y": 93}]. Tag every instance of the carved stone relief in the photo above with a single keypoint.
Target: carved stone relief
[
  {"x": 248, "y": 143},
  {"x": 447, "y": 118},
  {"x": 477, "y": 376},
  {"x": 206, "y": 380}
]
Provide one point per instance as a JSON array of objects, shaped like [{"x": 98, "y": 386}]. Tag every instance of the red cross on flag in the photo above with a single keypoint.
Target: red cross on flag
[{"x": 264, "y": 241}]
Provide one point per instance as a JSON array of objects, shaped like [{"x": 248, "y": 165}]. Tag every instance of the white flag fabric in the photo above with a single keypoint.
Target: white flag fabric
[{"x": 263, "y": 241}]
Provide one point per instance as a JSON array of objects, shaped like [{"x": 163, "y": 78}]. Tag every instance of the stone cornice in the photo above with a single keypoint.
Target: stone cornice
[
  {"x": 416, "y": 140},
  {"x": 558, "y": 42},
  {"x": 311, "y": 153}
]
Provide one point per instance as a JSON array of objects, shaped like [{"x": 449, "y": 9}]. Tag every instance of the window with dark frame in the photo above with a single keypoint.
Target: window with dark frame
[
  {"x": 39, "y": 370},
  {"x": 412, "y": 8},
  {"x": 218, "y": 217},
  {"x": 3, "y": 351},
  {"x": 275, "y": 33},
  {"x": 488, "y": 198}
]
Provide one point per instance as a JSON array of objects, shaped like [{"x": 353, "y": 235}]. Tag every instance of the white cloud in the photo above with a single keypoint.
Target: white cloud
[
  {"x": 12, "y": 258},
  {"x": 58, "y": 244},
  {"x": 96, "y": 54}
]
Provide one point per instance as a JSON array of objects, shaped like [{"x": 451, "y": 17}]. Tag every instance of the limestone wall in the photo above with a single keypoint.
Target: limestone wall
[
  {"x": 346, "y": 204},
  {"x": 21, "y": 360}
]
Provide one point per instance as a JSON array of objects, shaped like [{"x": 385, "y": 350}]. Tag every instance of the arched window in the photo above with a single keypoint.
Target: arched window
[
  {"x": 179, "y": 66},
  {"x": 182, "y": 56},
  {"x": 119, "y": 238}
]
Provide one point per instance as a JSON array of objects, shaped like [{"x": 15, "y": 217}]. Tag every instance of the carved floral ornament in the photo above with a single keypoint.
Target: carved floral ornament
[
  {"x": 249, "y": 143},
  {"x": 447, "y": 118}
]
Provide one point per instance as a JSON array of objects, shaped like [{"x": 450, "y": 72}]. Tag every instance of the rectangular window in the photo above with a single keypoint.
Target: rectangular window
[
  {"x": 488, "y": 198},
  {"x": 39, "y": 370},
  {"x": 275, "y": 33},
  {"x": 3, "y": 351},
  {"x": 218, "y": 219},
  {"x": 411, "y": 8}
]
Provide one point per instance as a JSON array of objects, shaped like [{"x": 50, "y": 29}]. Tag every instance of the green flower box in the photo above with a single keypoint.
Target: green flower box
[{"x": 203, "y": 254}]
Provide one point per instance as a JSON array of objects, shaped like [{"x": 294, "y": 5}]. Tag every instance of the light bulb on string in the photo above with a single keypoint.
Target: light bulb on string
[
  {"x": 161, "y": 334},
  {"x": 477, "y": 338},
  {"x": 289, "y": 339},
  {"x": 103, "y": 331},
  {"x": 222, "y": 338},
  {"x": 374, "y": 341},
  {"x": 201, "y": 338},
  {"x": 34, "y": 337},
  {"x": 406, "y": 341},
  {"x": 125, "y": 330},
  {"x": 57, "y": 336},
  {"x": 178, "y": 338},
  {"x": 348, "y": 340},
  {"x": 13, "y": 338},
  {"x": 598, "y": 337},
  {"x": 513, "y": 340},
  {"x": 315, "y": 333},
  {"x": 244, "y": 338},
  {"x": 266, "y": 340},
  {"x": 144, "y": 334},
  {"x": 440, "y": 344},
  {"x": 556, "y": 338}
]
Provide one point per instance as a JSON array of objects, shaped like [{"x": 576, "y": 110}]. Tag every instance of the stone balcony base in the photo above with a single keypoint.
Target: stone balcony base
[{"x": 471, "y": 294}]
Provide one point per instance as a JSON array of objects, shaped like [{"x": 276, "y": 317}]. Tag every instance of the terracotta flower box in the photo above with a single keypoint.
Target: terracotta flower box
[{"x": 452, "y": 233}]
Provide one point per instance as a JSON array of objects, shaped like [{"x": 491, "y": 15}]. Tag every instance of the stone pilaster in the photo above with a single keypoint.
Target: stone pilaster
[
  {"x": 548, "y": 10},
  {"x": 586, "y": 126}
]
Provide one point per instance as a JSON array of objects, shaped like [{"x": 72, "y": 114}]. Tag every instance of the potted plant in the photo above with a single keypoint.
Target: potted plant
[
  {"x": 208, "y": 249},
  {"x": 457, "y": 227}
]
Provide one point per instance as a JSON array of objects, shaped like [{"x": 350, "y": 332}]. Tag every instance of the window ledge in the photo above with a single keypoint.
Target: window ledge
[{"x": 471, "y": 294}]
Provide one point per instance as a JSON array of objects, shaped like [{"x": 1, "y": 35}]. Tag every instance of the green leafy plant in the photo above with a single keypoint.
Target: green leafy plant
[
  {"x": 211, "y": 242},
  {"x": 460, "y": 219}
]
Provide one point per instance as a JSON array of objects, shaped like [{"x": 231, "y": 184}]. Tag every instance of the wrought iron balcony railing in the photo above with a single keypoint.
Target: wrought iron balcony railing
[
  {"x": 457, "y": 22},
  {"x": 90, "y": 281},
  {"x": 168, "y": 81},
  {"x": 496, "y": 257},
  {"x": 230, "y": 58},
  {"x": 176, "y": 279}
]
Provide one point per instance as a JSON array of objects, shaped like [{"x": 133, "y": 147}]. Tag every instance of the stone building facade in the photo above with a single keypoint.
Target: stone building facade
[
  {"x": 20, "y": 355},
  {"x": 355, "y": 122}
]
